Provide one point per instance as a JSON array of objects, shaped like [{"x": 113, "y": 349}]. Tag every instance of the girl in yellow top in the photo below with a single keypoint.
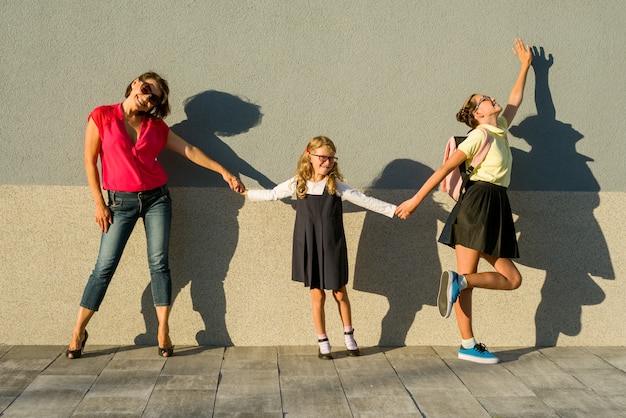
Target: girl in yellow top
[{"x": 481, "y": 224}]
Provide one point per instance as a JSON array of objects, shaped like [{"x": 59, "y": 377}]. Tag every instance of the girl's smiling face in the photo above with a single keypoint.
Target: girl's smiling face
[
  {"x": 322, "y": 160},
  {"x": 147, "y": 93}
]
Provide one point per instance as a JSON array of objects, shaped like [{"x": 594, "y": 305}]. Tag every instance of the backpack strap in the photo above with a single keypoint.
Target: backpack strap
[{"x": 480, "y": 155}]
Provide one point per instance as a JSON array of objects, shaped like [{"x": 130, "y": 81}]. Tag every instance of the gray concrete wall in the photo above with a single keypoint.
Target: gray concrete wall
[{"x": 251, "y": 83}]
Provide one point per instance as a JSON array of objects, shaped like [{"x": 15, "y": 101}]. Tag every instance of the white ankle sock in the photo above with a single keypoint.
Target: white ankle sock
[
  {"x": 462, "y": 281},
  {"x": 349, "y": 339},
  {"x": 467, "y": 344},
  {"x": 324, "y": 344}
]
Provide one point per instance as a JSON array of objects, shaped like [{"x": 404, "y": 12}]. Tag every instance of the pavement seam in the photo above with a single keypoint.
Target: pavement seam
[
  {"x": 29, "y": 383},
  {"x": 404, "y": 385},
  {"x": 343, "y": 388},
  {"x": 463, "y": 383},
  {"x": 219, "y": 380},
  {"x": 280, "y": 385},
  {"x": 94, "y": 380}
]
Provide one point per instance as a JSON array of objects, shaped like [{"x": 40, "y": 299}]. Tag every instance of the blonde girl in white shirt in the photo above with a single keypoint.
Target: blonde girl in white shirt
[{"x": 320, "y": 257}]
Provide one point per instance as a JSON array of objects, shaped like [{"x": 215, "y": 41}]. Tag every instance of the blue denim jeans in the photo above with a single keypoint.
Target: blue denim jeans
[{"x": 155, "y": 207}]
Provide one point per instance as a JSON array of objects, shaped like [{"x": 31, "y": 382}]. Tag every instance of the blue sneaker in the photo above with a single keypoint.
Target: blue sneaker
[
  {"x": 448, "y": 292},
  {"x": 478, "y": 354}
]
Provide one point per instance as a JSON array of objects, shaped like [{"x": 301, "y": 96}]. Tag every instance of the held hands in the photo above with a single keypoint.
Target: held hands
[
  {"x": 406, "y": 208},
  {"x": 234, "y": 183},
  {"x": 523, "y": 52}
]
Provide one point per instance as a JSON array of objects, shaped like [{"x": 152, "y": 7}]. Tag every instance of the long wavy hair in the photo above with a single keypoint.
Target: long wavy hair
[
  {"x": 161, "y": 110},
  {"x": 304, "y": 170}
]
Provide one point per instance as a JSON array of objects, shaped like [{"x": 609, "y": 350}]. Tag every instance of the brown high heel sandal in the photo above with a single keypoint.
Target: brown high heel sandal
[{"x": 78, "y": 352}]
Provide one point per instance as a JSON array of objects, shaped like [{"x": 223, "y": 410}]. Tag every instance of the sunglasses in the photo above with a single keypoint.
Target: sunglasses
[
  {"x": 482, "y": 99},
  {"x": 324, "y": 158},
  {"x": 152, "y": 98}
]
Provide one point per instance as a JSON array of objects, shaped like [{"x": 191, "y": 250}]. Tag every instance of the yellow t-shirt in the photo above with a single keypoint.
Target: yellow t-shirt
[{"x": 496, "y": 167}]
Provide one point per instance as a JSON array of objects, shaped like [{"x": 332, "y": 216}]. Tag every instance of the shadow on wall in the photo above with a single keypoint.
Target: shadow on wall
[
  {"x": 566, "y": 228},
  {"x": 413, "y": 282},
  {"x": 204, "y": 240}
]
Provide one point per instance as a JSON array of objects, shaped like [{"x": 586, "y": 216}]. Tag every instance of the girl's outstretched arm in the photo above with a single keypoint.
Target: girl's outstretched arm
[
  {"x": 406, "y": 208},
  {"x": 364, "y": 201},
  {"x": 280, "y": 191},
  {"x": 525, "y": 56}
]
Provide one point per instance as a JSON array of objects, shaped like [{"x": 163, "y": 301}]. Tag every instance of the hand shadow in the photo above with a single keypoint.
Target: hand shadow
[
  {"x": 553, "y": 164},
  {"x": 205, "y": 231},
  {"x": 412, "y": 282}
]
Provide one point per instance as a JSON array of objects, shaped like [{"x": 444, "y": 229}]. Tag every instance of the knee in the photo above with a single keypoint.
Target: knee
[
  {"x": 102, "y": 274},
  {"x": 104, "y": 269},
  {"x": 318, "y": 296},
  {"x": 516, "y": 281},
  {"x": 161, "y": 268},
  {"x": 158, "y": 263},
  {"x": 341, "y": 295}
]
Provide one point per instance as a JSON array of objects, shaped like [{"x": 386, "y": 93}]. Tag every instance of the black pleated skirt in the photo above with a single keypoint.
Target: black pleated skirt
[{"x": 482, "y": 220}]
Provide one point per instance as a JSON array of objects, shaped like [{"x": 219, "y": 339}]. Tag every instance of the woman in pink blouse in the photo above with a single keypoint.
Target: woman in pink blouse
[{"x": 128, "y": 137}]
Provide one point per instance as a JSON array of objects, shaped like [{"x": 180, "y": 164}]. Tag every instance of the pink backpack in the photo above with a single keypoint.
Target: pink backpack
[{"x": 454, "y": 183}]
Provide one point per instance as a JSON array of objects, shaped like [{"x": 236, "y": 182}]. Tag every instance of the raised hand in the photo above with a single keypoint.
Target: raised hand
[{"x": 523, "y": 52}]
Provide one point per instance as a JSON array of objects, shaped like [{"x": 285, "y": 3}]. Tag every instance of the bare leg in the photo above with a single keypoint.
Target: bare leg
[
  {"x": 343, "y": 303},
  {"x": 78, "y": 335},
  {"x": 345, "y": 311},
  {"x": 467, "y": 263},
  {"x": 506, "y": 277},
  {"x": 318, "y": 298},
  {"x": 163, "y": 334}
]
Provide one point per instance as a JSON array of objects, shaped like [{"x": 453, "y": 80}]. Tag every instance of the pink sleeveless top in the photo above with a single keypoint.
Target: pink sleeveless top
[{"x": 128, "y": 167}]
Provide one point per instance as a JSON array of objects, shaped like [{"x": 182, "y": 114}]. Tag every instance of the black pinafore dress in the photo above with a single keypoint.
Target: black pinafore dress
[{"x": 320, "y": 255}]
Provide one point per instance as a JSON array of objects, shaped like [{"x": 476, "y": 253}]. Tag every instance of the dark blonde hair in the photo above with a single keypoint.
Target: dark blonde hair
[
  {"x": 161, "y": 110},
  {"x": 466, "y": 114},
  {"x": 304, "y": 171}
]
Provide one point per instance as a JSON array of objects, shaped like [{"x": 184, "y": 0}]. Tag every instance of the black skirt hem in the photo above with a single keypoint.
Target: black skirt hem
[{"x": 483, "y": 221}]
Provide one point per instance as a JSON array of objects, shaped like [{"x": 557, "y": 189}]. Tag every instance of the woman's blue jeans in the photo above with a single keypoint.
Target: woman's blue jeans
[{"x": 155, "y": 207}]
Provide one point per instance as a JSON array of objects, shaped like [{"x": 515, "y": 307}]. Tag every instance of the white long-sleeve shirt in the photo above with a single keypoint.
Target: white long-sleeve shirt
[{"x": 288, "y": 189}]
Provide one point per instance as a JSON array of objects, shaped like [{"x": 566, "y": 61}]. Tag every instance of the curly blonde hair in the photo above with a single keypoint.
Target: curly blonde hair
[{"x": 304, "y": 170}]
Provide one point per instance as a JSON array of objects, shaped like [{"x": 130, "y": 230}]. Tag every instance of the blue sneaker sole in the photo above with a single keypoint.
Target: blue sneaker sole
[{"x": 479, "y": 359}]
